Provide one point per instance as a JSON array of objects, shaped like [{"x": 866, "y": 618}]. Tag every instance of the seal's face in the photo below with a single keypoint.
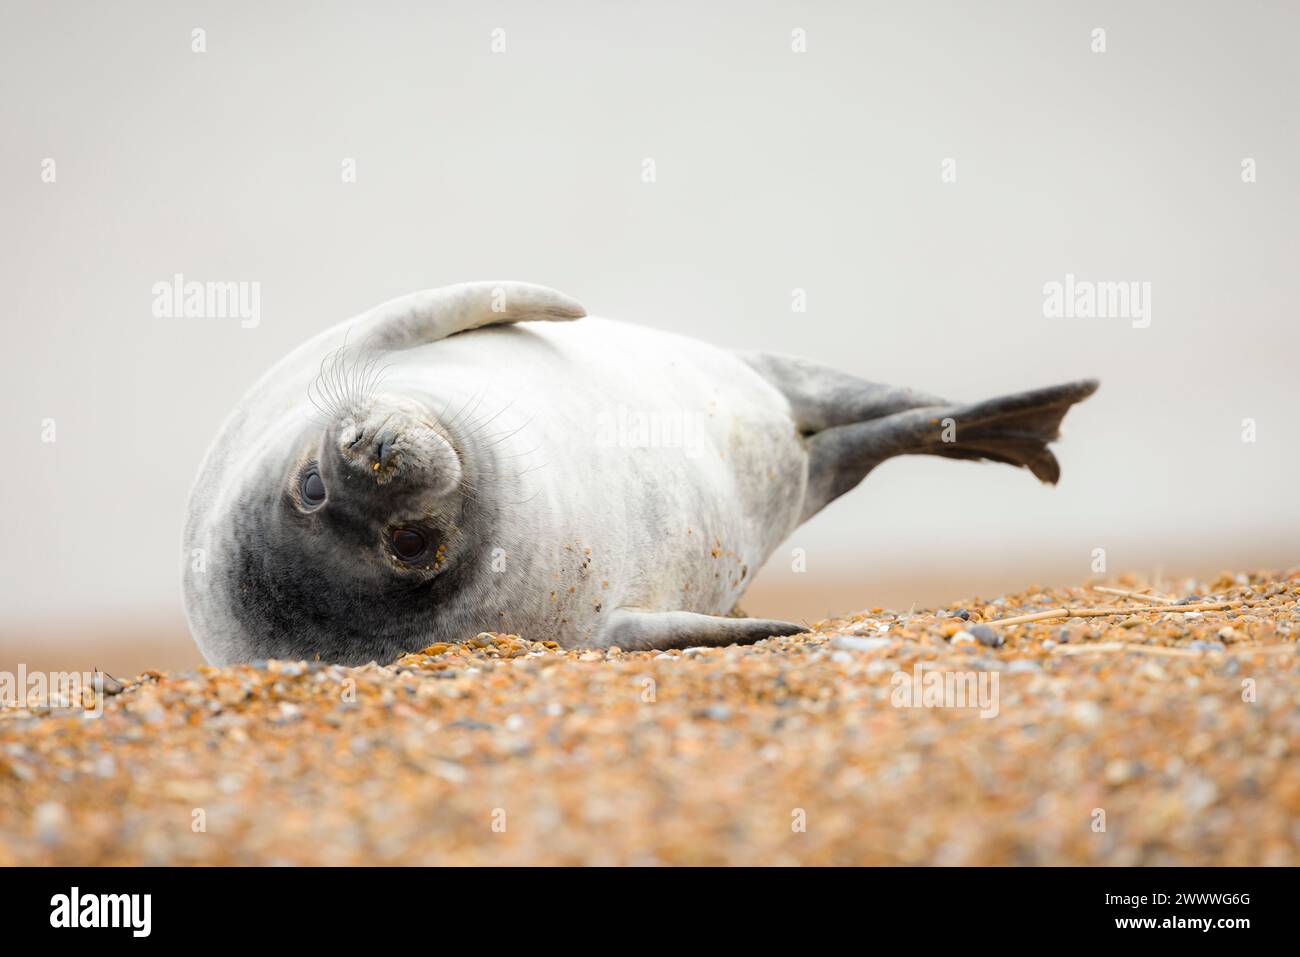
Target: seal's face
[{"x": 346, "y": 556}]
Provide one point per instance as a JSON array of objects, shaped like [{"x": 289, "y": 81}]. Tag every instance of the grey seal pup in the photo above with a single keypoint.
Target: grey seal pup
[{"x": 483, "y": 458}]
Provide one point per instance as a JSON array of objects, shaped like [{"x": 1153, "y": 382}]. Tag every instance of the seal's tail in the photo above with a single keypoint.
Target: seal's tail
[{"x": 1014, "y": 429}]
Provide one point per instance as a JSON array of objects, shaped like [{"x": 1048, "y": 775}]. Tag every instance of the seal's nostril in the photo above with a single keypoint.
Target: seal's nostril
[{"x": 386, "y": 444}]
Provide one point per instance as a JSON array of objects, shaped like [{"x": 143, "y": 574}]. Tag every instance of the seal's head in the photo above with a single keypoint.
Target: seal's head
[
  {"x": 339, "y": 545},
  {"x": 334, "y": 521}
]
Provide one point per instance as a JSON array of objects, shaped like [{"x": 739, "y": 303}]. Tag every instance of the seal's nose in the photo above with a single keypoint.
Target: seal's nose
[
  {"x": 369, "y": 446},
  {"x": 387, "y": 442}
]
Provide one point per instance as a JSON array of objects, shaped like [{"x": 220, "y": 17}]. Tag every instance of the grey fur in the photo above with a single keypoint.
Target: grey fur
[{"x": 495, "y": 444}]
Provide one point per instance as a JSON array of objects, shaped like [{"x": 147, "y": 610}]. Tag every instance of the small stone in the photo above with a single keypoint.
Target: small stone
[
  {"x": 111, "y": 685},
  {"x": 1118, "y": 771},
  {"x": 1228, "y": 634},
  {"x": 852, "y": 643},
  {"x": 469, "y": 724},
  {"x": 963, "y": 638},
  {"x": 987, "y": 635},
  {"x": 1152, "y": 672},
  {"x": 290, "y": 712},
  {"x": 1131, "y": 622},
  {"x": 1087, "y": 713},
  {"x": 48, "y": 821}
]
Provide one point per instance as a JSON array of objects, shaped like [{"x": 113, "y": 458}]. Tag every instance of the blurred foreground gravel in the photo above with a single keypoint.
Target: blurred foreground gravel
[{"x": 1143, "y": 737}]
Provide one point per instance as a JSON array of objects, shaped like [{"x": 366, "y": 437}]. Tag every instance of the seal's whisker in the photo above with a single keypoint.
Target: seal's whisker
[
  {"x": 364, "y": 378},
  {"x": 502, "y": 438},
  {"x": 525, "y": 501},
  {"x": 534, "y": 468},
  {"x": 346, "y": 372},
  {"x": 479, "y": 401},
  {"x": 327, "y": 381},
  {"x": 316, "y": 389},
  {"x": 322, "y": 410},
  {"x": 479, "y": 426},
  {"x": 345, "y": 381},
  {"x": 449, "y": 424},
  {"x": 520, "y": 455},
  {"x": 377, "y": 376}
]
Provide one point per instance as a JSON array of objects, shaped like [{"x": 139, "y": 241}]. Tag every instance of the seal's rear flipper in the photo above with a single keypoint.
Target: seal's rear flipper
[
  {"x": 1014, "y": 429},
  {"x": 635, "y": 630}
]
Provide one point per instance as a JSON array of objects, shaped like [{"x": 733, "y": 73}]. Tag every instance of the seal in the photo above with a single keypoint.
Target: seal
[{"x": 484, "y": 457}]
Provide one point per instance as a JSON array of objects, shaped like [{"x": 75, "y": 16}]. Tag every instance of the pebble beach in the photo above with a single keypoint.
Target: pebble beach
[{"x": 1111, "y": 725}]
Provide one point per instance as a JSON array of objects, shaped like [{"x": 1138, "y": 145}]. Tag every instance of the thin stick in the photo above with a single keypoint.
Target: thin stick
[
  {"x": 1102, "y": 612},
  {"x": 1036, "y": 616},
  {"x": 1156, "y": 599}
]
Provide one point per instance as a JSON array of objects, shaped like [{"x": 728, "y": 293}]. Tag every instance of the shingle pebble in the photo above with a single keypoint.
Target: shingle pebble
[
  {"x": 987, "y": 635},
  {"x": 853, "y": 643}
]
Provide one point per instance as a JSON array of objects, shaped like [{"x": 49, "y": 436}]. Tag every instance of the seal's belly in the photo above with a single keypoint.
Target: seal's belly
[{"x": 662, "y": 471}]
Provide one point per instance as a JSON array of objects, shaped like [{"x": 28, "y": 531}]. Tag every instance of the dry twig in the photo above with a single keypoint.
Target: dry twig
[{"x": 1102, "y": 612}]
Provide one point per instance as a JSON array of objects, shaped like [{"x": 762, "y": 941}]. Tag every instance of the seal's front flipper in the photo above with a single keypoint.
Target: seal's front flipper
[
  {"x": 1014, "y": 429},
  {"x": 635, "y": 630},
  {"x": 438, "y": 313}
]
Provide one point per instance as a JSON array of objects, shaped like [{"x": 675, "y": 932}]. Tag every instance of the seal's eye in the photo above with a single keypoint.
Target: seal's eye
[
  {"x": 407, "y": 543},
  {"x": 313, "y": 488}
]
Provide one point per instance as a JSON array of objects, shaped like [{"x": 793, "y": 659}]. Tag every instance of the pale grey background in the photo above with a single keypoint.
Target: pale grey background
[{"x": 776, "y": 170}]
